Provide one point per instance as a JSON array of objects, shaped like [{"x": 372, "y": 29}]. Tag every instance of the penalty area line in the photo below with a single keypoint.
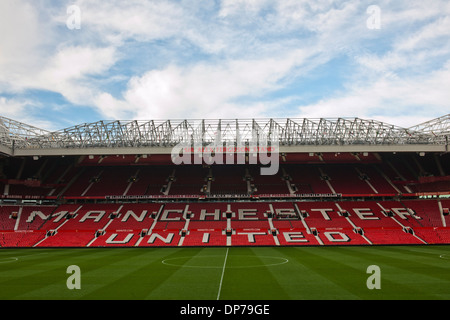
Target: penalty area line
[{"x": 223, "y": 271}]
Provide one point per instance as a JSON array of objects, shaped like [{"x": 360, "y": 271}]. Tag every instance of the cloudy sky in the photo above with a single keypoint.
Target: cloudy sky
[{"x": 64, "y": 63}]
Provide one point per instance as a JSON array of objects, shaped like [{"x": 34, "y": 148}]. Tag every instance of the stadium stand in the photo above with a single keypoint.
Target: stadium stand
[
  {"x": 233, "y": 223},
  {"x": 315, "y": 198}
]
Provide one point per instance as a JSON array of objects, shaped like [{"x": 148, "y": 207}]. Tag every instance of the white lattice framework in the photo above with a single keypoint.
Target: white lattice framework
[{"x": 17, "y": 136}]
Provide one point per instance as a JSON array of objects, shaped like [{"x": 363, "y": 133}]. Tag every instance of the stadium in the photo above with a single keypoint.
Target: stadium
[
  {"x": 346, "y": 193},
  {"x": 224, "y": 158}
]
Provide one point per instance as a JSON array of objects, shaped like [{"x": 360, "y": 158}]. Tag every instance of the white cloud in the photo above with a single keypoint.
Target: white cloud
[
  {"x": 145, "y": 20},
  {"x": 253, "y": 64},
  {"x": 19, "y": 110},
  {"x": 225, "y": 59},
  {"x": 20, "y": 41},
  {"x": 404, "y": 102},
  {"x": 78, "y": 62},
  {"x": 68, "y": 70},
  {"x": 203, "y": 90},
  {"x": 34, "y": 56},
  {"x": 12, "y": 108},
  {"x": 404, "y": 83},
  {"x": 242, "y": 7},
  {"x": 427, "y": 37},
  {"x": 410, "y": 14}
]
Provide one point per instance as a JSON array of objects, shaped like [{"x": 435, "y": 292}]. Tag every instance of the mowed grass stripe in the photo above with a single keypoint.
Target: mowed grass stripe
[
  {"x": 51, "y": 283},
  {"x": 301, "y": 281},
  {"x": 134, "y": 277},
  {"x": 297, "y": 280},
  {"x": 98, "y": 267},
  {"x": 430, "y": 256},
  {"x": 34, "y": 271},
  {"x": 322, "y": 277},
  {"x": 407, "y": 272},
  {"x": 348, "y": 272},
  {"x": 248, "y": 275},
  {"x": 196, "y": 274},
  {"x": 402, "y": 276},
  {"x": 414, "y": 259},
  {"x": 414, "y": 276}
]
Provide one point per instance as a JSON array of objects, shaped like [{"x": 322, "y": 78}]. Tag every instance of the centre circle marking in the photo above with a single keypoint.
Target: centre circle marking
[
  {"x": 202, "y": 262},
  {"x": 8, "y": 260}
]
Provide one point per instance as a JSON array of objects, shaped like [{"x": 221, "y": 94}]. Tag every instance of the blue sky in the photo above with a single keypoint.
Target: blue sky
[{"x": 136, "y": 59}]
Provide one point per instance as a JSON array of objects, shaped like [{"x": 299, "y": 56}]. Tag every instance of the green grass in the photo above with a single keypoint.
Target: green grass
[{"x": 251, "y": 273}]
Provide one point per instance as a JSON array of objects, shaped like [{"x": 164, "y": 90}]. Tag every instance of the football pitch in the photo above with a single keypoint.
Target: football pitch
[{"x": 234, "y": 273}]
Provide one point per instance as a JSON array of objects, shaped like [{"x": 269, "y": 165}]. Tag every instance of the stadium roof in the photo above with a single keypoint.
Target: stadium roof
[{"x": 160, "y": 136}]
